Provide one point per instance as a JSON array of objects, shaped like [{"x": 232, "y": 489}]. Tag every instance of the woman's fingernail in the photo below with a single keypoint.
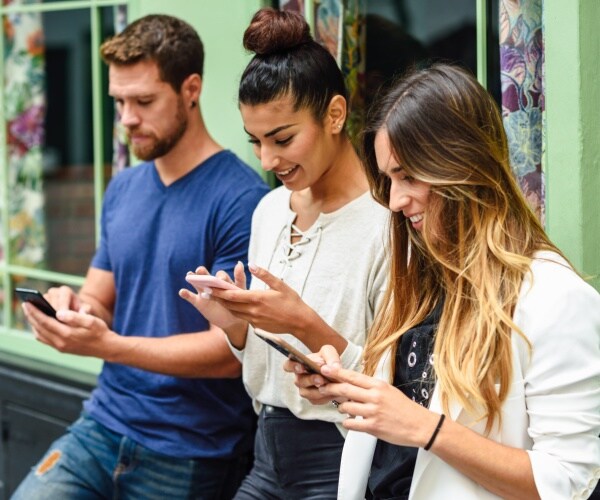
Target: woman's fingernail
[
  {"x": 205, "y": 295},
  {"x": 253, "y": 267},
  {"x": 328, "y": 369}
]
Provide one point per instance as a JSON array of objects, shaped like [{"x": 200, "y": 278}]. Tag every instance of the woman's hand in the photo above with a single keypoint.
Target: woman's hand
[
  {"x": 386, "y": 412},
  {"x": 309, "y": 383},
  {"x": 278, "y": 309},
  {"x": 214, "y": 311}
]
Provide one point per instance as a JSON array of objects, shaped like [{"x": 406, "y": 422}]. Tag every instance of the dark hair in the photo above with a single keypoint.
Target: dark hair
[
  {"x": 170, "y": 42},
  {"x": 288, "y": 61}
]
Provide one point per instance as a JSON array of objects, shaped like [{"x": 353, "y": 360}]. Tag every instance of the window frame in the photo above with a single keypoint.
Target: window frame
[{"x": 16, "y": 347}]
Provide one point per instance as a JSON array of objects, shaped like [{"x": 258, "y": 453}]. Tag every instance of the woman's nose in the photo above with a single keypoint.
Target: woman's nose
[
  {"x": 399, "y": 198},
  {"x": 268, "y": 158}
]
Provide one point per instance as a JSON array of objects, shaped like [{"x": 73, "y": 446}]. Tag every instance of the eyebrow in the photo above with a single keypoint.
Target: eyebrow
[
  {"x": 115, "y": 95},
  {"x": 392, "y": 170},
  {"x": 274, "y": 131}
]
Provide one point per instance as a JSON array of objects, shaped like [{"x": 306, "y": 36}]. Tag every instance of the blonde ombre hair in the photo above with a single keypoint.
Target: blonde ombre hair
[{"x": 477, "y": 240}]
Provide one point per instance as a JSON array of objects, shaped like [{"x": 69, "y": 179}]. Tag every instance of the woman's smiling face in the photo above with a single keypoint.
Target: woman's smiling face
[
  {"x": 290, "y": 143},
  {"x": 407, "y": 194}
]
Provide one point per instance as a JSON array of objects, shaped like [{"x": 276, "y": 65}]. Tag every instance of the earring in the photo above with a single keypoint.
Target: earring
[{"x": 193, "y": 104}]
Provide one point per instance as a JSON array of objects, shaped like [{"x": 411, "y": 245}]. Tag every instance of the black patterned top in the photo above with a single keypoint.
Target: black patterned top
[{"x": 393, "y": 466}]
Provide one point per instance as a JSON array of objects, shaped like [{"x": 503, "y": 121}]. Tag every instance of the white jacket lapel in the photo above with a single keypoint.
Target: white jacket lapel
[{"x": 358, "y": 451}]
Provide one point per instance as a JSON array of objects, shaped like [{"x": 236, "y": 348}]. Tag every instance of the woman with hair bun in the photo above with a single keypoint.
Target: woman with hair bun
[{"x": 317, "y": 254}]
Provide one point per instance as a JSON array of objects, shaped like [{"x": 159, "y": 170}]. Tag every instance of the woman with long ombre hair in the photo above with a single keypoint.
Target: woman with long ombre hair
[{"x": 482, "y": 370}]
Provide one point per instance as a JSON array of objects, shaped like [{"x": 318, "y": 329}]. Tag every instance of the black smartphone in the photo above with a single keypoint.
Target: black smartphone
[
  {"x": 290, "y": 351},
  {"x": 37, "y": 299}
]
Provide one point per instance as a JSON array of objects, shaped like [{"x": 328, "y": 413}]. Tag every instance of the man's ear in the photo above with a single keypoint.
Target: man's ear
[
  {"x": 191, "y": 89},
  {"x": 336, "y": 114}
]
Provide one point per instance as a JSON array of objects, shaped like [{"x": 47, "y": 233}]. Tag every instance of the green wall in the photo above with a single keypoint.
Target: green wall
[
  {"x": 572, "y": 70},
  {"x": 221, "y": 26}
]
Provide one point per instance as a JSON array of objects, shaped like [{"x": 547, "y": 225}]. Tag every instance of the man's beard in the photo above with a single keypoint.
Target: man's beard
[{"x": 160, "y": 147}]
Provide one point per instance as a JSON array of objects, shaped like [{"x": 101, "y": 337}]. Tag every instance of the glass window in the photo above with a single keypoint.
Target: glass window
[
  {"x": 401, "y": 34},
  {"x": 56, "y": 151}
]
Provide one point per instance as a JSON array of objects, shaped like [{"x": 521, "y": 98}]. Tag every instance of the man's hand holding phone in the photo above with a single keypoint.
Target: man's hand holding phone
[
  {"x": 36, "y": 298},
  {"x": 75, "y": 332}
]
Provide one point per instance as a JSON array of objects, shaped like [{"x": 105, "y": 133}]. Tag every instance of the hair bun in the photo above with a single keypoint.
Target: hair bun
[{"x": 275, "y": 31}]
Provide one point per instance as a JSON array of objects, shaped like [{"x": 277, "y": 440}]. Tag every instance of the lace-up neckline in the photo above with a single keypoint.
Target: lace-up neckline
[
  {"x": 292, "y": 248},
  {"x": 293, "y": 244}
]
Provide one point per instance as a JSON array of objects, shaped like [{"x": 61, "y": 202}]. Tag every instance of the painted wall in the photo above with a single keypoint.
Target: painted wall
[
  {"x": 572, "y": 72},
  {"x": 221, "y": 26}
]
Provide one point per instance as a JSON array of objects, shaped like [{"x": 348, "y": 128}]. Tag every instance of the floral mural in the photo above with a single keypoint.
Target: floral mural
[
  {"x": 24, "y": 109},
  {"x": 522, "y": 66},
  {"x": 340, "y": 28},
  {"x": 353, "y": 63}
]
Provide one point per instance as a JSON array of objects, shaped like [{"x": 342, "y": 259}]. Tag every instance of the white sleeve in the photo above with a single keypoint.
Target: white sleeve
[{"x": 560, "y": 315}]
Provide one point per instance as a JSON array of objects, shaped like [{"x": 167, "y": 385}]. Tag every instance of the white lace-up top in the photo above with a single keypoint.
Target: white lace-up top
[{"x": 338, "y": 268}]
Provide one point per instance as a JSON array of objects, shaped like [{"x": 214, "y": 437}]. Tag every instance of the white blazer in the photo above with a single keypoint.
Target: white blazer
[{"x": 552, "y": 409}]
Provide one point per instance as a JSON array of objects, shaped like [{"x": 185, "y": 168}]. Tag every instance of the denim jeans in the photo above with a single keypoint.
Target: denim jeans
[
  {"x": 293, "y": 458},
  {"x": 92, "y": 462}
]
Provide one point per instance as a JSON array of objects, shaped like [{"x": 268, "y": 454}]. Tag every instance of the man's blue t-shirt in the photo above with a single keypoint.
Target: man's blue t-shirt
[{"x": 152, "y": 235}]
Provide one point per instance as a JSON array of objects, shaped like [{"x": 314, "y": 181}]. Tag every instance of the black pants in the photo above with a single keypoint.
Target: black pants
[{"x": 293, "y": 458}]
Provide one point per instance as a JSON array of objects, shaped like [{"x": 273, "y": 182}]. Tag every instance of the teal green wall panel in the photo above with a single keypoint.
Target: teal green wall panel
[
  {"x": 572, "y": 71},
  {"x": 589, "y": 39},
  {"x": 221, "y": 26}
]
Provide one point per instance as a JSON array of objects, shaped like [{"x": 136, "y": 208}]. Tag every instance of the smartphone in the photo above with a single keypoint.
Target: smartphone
[
  {"x": 37, "y": 299},
  {"x": 205, "y": 280},
  {"x": 289, "y": 351}
]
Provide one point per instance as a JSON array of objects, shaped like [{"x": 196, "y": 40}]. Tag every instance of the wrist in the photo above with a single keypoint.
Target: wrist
[
  {"x": 314, "y": 333},
  {"x": 237, "y": 334},
  {"x": 431, "y": 435},
  {"x": 115, "y": 348}
]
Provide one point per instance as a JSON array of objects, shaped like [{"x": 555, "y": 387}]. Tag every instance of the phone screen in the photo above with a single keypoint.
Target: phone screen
[{"x": 37, "y": 299}]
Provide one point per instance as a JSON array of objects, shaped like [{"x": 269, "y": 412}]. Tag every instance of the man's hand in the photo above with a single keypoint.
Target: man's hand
[
  {"x": 72, "y": 332},
  {"x": 63, "y": 297}
]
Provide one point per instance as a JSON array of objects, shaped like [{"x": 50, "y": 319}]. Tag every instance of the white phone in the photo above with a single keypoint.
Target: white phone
[{"x": 208, "y": 281}]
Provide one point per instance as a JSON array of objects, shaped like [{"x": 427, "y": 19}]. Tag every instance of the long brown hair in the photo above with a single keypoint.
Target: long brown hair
[{"x": 478, "y": 236}]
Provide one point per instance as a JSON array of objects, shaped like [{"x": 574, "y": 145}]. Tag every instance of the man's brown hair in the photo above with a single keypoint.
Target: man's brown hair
[{"x": 170, "y": 42}]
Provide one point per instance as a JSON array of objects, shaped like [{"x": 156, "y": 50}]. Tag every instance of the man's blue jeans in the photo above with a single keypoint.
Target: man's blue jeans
[{"x": 91, "y": 462}]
